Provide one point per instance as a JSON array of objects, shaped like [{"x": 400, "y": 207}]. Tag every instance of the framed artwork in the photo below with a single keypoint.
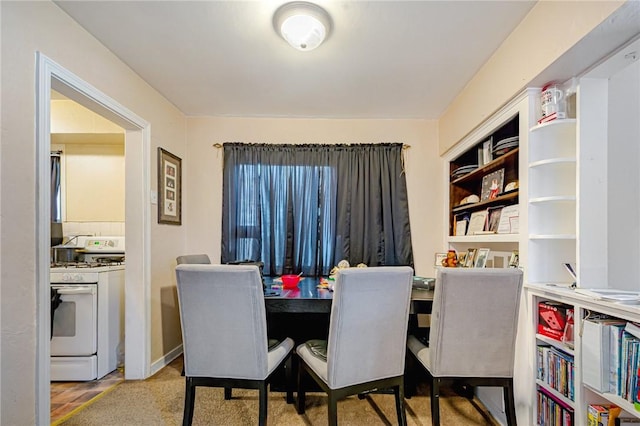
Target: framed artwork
[
  {"x": 169, "y": 188},
  {"x": 481, "y": 257},
  {"x": 492, "y": 185}
]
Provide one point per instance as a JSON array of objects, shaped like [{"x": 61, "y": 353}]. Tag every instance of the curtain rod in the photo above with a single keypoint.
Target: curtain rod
[{"x": 219, "y": 145}]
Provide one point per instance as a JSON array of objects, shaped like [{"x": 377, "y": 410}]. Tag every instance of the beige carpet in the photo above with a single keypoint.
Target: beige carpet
[{"x": 159, "y": 401}]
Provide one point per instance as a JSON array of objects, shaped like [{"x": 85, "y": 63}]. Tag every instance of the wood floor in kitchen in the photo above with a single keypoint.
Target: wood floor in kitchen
[{"x": 67, "y": 396}]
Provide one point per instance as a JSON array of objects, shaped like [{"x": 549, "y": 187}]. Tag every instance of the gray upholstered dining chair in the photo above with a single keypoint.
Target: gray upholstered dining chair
[
  {"x": 193, "y": 259},
  {"x": 198, "y": 259},
  {"x": 473, "y": 331},
  {"x": 224, "y": 331},
  {"x": 367, "y": 339}
]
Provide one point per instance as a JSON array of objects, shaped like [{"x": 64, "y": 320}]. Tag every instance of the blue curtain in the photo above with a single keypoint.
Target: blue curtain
[{"x": 303, "y": 208}]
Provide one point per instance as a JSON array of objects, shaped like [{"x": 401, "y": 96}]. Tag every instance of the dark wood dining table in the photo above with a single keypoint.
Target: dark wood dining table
[
  {"x": 309, "y": 298},
  {"x": 302, "y": 313}
]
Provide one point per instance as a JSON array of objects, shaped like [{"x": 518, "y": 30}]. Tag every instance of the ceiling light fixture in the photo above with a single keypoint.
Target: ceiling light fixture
[{"x": 303, "y": 25}]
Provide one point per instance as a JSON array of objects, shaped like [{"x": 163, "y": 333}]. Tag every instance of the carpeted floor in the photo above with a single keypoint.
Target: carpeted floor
[{"x": 159, "y": 401}]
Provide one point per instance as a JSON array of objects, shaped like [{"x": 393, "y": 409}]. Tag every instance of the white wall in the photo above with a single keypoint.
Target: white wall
[
  {"x": 94, "y": 183},
  {"x": 548, "y": 31},
  {"x": 203, "y": 171},
  {"x": 28, "y": 27}
]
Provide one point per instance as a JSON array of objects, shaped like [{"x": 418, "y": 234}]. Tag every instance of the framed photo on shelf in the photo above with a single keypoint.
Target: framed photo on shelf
[
  {"x": 477, "y": 222},
  {"x": 493, "y": 218},
  {"x": 440, "y": 257},
  {"x": 481, "y": 257},
  {"x": 514, "y": 259},
  {"x": 462, "y": 258},
  {"x": 471, "y": 254},
  {"x": 492, "y": 185},
  {"x": 509, "y": 220},
  {"x": 169, "y": 188}
]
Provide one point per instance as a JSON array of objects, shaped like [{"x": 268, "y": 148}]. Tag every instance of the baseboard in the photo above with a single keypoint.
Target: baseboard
[{"x": 165, "y": 360}]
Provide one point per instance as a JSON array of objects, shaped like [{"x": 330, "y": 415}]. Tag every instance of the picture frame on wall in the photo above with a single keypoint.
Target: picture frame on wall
[{"x": 169, "y": 188}]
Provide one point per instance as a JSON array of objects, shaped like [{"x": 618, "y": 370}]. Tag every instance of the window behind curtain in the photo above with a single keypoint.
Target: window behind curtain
[
  {"x": 56, "y": 196},
  {"x": 303, "y": 208}
]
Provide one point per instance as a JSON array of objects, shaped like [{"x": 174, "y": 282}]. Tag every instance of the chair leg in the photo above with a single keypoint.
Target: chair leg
[
  {"x": 400, "y": 409},
  {"x": 288, "y": 372},
  {"x": 189, "y": 401},
  {"x": 227, "y": 393},
  {"x": 435, "y": 401},
  {"x": 509, "y": 403},
  {"x": 301, "y": 395},
  {"x": 264, "y": 402},
  {"x": 333, "y": 409}
]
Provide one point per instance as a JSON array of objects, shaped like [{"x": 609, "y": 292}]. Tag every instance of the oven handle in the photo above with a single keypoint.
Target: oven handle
[{"x": 75, "y": 290}]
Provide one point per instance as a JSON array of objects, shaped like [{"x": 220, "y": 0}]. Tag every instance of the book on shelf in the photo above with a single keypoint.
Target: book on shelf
[
  {"x": 552, "y": 411},
  {"x": 615, "y": 357},
  {"x": 632, "y": 328},
  {"x": 460, "y": 224},
  {"x": 602, "y": 414},
  {"x": 555, "y": 320},
  {"x": 596, "y": 351}
]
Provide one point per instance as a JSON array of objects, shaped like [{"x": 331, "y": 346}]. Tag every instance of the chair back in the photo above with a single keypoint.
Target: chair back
[
  {"x": 224, "y": 325},
  {"x": 474, "y": 322},
  {"x": 368, "y": 325},
  {"x": 201, "y": 259}
]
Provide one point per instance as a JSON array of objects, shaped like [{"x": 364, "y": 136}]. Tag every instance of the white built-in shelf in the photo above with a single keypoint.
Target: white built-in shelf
[
  {"x": 489, "y": 238},
  {"x": 552, "y": 161},
  {"x": 552, "y": 199},
  {"x": 617, "y": 400},
  {"x": 555, "y": 393},
  {"x": 553, "y": 342},
  {"x": 552, "y": 236},
  {"x": 554, "y": 123}
]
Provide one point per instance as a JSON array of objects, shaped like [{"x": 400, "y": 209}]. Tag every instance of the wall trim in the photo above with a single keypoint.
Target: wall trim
[{"x": 50, "y": 75}]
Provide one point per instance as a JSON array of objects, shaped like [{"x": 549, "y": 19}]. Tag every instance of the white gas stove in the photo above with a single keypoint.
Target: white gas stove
[{"x": 87, "y": 311}]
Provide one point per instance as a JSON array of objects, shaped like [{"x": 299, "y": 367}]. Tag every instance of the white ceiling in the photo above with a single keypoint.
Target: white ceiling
[{"x": 383, "y": 59}]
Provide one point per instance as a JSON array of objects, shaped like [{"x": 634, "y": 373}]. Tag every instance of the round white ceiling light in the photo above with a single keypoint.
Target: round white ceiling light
[{"x": 303, "y": 25}]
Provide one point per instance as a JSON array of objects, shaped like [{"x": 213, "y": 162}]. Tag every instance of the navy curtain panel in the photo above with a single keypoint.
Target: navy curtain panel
[{"x": 303, "y": 208}]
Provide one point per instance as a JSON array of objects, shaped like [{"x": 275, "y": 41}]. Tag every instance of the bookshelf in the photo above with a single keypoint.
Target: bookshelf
[
  {"x": 511, "y": 121},
  {"x": 583, "y": 307},
  {"x": 583, "y": 204}
]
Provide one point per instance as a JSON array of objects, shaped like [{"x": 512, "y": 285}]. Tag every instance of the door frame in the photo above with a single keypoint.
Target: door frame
[{"x": 50, "y": 75}]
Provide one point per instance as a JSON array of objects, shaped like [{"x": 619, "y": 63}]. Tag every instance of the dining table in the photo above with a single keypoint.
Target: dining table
[
  {"x": 310, "y": 296},
  {"x": 302, "y": 313}
]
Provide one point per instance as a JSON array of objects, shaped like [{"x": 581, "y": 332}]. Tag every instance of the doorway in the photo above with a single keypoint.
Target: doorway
[{"x": 50, "y": 76}]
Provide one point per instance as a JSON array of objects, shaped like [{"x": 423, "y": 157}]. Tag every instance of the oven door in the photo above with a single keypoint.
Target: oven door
[{"x": 75, "y": 320}]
